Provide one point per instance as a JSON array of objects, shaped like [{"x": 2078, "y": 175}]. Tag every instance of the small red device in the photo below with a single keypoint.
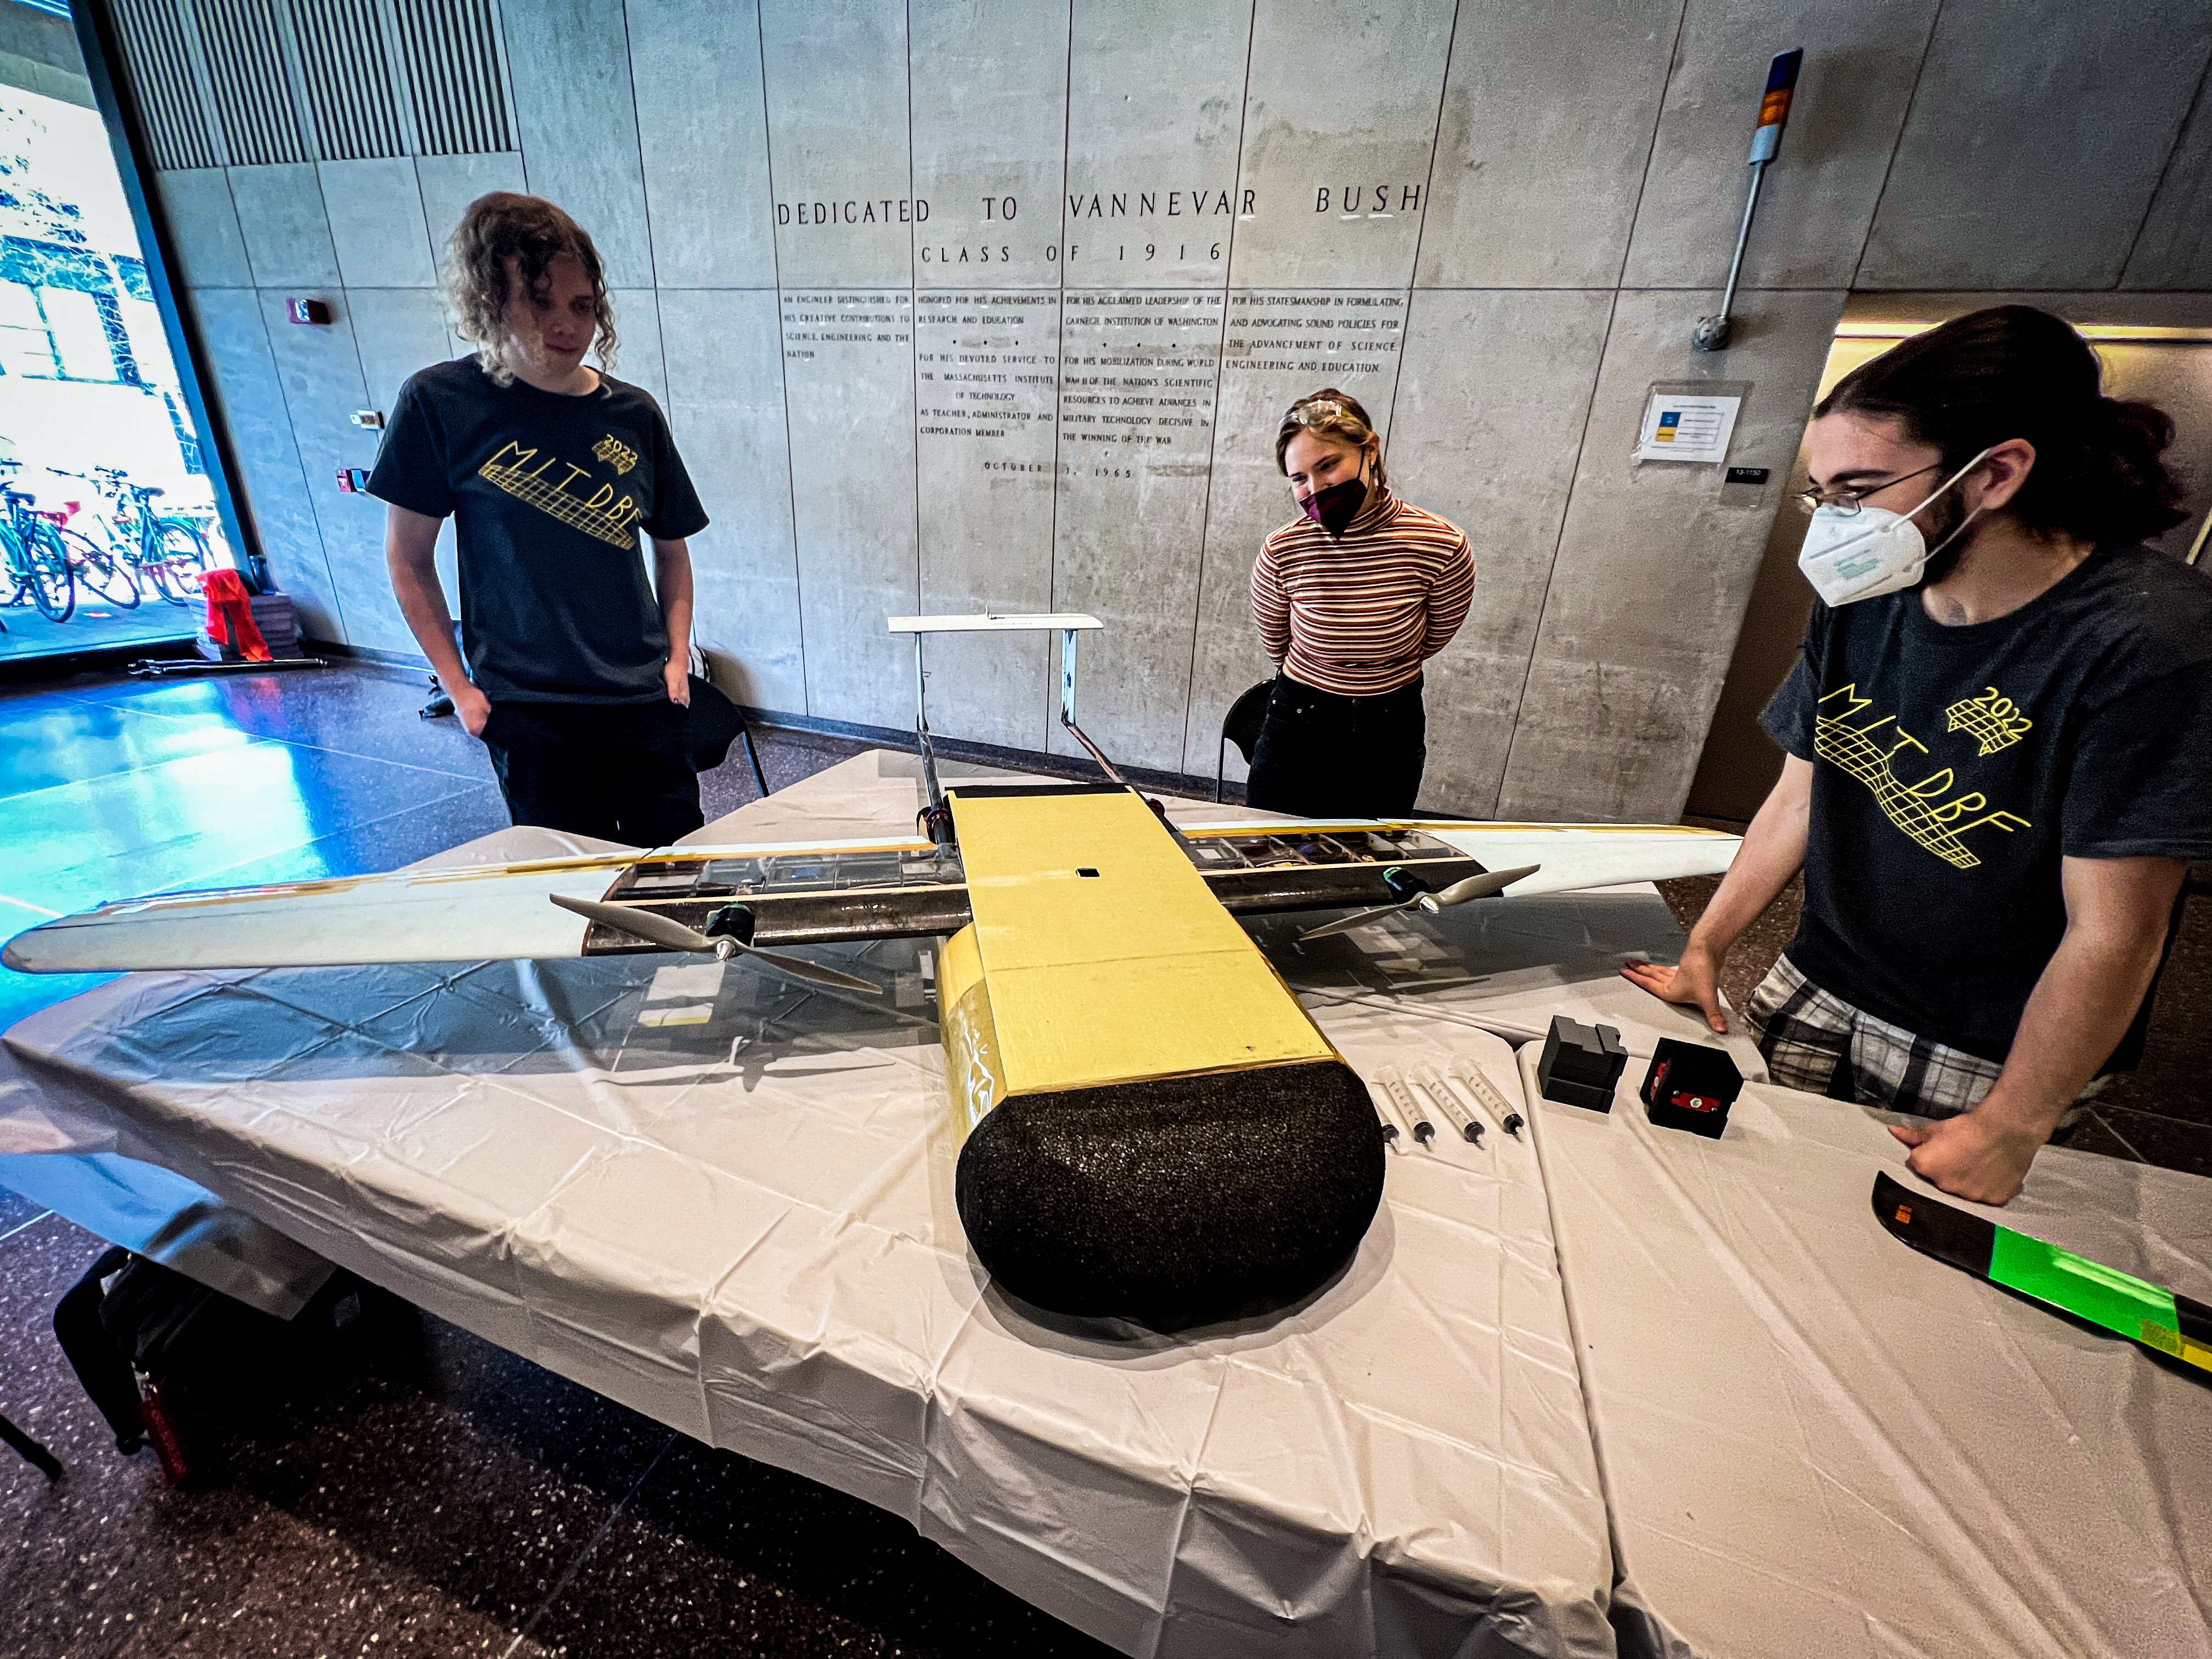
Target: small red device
[
  {"x": 307, "y": 311},
  {"x": 1690, "y": 1086}
]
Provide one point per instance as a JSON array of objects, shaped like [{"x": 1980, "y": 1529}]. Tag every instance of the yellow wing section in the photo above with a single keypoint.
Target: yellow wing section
[{"x": 1105, "y": 955}]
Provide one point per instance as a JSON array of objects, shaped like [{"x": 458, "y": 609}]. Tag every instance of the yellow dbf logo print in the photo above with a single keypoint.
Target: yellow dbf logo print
[
  {"x": 1993, "y": 720},
  {"x": 1918, "y": 809},
  {"x": 602, "y": 513}
]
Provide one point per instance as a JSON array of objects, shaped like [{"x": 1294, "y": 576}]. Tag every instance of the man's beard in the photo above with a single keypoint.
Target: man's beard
[{"x": 1949, "y": 538}]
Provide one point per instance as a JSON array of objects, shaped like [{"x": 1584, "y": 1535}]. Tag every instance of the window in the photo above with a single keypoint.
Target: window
[
  {"x": 26, "y": 348},
  {"x": 79, "y": 334}
]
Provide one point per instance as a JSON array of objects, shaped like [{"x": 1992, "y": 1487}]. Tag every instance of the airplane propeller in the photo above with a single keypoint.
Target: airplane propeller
[
  {"x": 666, "y": 930},
  {"x": 1485, "y": 885}
]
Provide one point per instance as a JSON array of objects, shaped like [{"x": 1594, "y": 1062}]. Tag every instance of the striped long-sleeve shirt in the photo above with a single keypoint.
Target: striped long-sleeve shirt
[{"x": 1359, "y": 616}]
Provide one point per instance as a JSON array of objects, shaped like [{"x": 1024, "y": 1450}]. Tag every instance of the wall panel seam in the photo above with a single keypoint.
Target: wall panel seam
[
  {"x": 1897, "y": 143},
  {"x": 1213, "y": 436},
  {"x": 1559, "y": 540},
  {"x": 2165, "y": 166},
  {"x": 783, "y": 366},
  {"x": 306, "y": 490},
  {"x": 1651, "y": 147},
  {"x": 1428, "y": 195}
]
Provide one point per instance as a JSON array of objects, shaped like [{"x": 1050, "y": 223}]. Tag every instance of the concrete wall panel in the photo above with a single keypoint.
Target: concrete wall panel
[
  {"x": 986, "y": 339},
  {"x": 1544, "y": 105},
  {"x": 2174, "y": 250},
  {"x": 450, "y": 183},
  {"x": 398, "y": 331},
  {"x": 2034, "y": 142},
  {"x": 376, "y": 222},
  {"x": 577, "y": 116},
  {"x": 1140, "y": 374},
  {"x": 1012, "y": 57},
  {"x": 1156, "y": 109},
  {"x": 319, "y": 370},
  {"x": 1341, "y": 100},
  {"x": 203, "y": 227},
  {"x": 840, "y": 160},
  {"x": 640, "y": 354},
  {"x": 1818, "y": 196},
  {"x": 1491, "y": 409},
  {"x": 1655, "y": 562},
  {"x": 703, "y": 128},
  {"x": 725, "y": 409},
  {"x": 288, "y": 236},
  {"x": 849, "y": 391},
  {"x": 275, "y": 485}
]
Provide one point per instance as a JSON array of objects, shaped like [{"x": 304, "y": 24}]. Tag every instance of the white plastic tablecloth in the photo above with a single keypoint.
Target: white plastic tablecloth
[
  {"x": 744, "y": 1229},
  {"x": 1817, "y": 1441}
]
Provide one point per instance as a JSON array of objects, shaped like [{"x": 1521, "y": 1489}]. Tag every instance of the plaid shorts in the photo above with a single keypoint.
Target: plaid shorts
[{"x": 1816, "y": 1041}]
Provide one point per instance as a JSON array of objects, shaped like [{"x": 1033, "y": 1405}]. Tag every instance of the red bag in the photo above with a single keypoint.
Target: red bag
[{"x": 230, "y": 615}]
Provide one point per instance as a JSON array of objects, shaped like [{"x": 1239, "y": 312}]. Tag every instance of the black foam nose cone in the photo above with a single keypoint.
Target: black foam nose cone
[{"x": 1175, "y": 1201}]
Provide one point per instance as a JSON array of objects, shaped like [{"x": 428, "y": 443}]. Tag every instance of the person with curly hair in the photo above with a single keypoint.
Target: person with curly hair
[{"x": 576, "y": 677}]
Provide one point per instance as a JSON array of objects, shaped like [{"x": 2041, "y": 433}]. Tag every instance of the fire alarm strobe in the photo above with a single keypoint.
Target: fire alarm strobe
[
  {"x": 307, "y": 311},
  {"x": 1580, "y": 1064},
  {"x": 1691, "y": 1086}
]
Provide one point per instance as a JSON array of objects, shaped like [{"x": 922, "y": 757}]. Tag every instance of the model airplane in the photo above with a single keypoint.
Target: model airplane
[{"x": 1152, "y": 1125}]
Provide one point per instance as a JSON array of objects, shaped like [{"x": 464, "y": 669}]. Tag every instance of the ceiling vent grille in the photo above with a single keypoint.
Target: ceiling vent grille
[
  {"x": 246, "y": 72},
  {"x": 451, "y": 52},
  {"x": 159, "y": 62},
  {"x": 349, "y": 79}
]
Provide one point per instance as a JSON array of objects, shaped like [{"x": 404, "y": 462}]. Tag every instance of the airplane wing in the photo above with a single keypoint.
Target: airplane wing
[{"x": 801, "y": 893}]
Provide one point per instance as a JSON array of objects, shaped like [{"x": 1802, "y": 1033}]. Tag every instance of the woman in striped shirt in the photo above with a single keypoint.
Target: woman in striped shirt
[{"x": 1351, "y": 598}]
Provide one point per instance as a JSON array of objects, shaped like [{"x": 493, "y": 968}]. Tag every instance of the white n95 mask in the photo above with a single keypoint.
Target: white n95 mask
[{"x": 1848, "y": 557}]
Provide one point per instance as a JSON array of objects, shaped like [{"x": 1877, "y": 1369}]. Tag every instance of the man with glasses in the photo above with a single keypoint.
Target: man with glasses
[{"x": 1999, "y": 744}]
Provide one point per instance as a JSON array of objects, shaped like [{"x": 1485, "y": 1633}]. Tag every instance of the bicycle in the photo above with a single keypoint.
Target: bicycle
[
  {"x": 38, "y": 564},
  {"x": 168, "y": 553},
  {"x": 98, "y": 572}
]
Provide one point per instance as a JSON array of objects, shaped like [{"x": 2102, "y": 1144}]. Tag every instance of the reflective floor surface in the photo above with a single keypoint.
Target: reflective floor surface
[{"x": 459, "y": 1500}]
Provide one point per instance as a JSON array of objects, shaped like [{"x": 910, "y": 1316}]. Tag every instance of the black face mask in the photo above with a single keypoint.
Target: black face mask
[{"x": 1335, "y": 507}]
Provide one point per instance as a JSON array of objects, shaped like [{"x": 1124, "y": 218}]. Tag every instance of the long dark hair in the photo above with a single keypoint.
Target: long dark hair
[{"x": 2015, "y": 372}]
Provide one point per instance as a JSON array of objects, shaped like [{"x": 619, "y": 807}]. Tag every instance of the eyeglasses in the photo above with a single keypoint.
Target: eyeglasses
[{"x": 1846, "y": 502}]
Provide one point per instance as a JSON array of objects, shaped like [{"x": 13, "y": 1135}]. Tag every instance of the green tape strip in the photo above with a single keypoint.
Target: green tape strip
[{"x": 2137, "y": 1310}]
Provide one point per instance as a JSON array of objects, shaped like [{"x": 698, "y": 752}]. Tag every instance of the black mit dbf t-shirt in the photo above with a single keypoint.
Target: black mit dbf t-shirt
[
  {"x": 548, "y": 494},
  {"x": 1953, "y": 768}
]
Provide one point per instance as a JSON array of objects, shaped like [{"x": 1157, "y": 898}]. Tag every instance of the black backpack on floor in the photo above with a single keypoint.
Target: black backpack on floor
[{"x": 165, "y": 1357}]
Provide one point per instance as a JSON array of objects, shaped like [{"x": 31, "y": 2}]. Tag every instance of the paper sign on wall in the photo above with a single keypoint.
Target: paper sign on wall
[{"x": 1682, "y": 428}]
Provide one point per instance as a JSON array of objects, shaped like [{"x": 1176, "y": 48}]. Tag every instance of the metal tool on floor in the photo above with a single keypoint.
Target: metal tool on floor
[{"x": 163, "y": 668}]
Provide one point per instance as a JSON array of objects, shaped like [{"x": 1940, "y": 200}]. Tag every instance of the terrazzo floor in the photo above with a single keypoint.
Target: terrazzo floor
[{"x": 454, "y": 1498}]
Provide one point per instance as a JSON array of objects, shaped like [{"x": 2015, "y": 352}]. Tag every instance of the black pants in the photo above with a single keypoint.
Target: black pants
[
  {"x": 1321, "y": 755},
  {"x": 618, "y": 771}
]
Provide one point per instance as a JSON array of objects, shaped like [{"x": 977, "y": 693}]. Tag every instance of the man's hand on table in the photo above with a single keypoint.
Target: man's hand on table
[
  {"x": 1977, "y": 1155},
  {"x": 1696, "y": 983}
]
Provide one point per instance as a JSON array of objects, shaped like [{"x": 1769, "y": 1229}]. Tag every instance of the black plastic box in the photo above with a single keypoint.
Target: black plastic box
[
  {"x": 1691, "y": 1086},
  {"x": 1580, "y": 1064}
]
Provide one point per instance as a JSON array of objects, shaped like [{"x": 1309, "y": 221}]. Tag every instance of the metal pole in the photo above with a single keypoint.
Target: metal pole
[{"x": 1712, "y": 333}]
